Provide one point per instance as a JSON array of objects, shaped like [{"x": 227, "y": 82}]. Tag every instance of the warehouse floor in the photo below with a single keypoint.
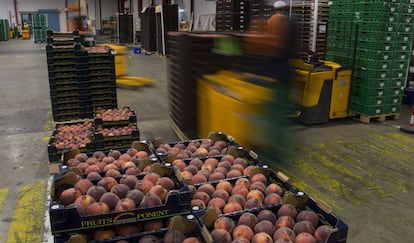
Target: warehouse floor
[{"x": 363, "y": 171}]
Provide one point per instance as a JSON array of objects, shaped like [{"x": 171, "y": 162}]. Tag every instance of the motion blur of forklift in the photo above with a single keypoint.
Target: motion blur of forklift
[{"x": 79, "y": 21}]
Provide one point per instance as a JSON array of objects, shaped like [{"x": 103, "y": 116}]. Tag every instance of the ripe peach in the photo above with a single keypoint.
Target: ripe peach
[
  {"x": 198, "y": 178},
  {"x": 219, "y": 143},
  {"x": 179, "y": 163},
  {"x": 202, "y": 196},
  {"x": 220, "y": 236},
  {"x": 83, "y": 185},
  {"x": 187, "y": 174},
  {"x": 255, "y": 194},
  {"x": 73, "y": 162},
  {"x": 308, "y": 215},
  {"x": 69, "y": 196},
  {"x": 215, "y": 176},
  {"x": 97, "y": 208},
  {"x": 322, "y": 233},
  {"x": 283, "y": 240},
  {"x": 272, "y": 198},
  {"x": 213, "y": 152},
  {"x": 182, "y": 155},
  {"x": 192, "y": 169},
  {"x": 202, "y": 151},
  {"x": 217, "y": 202},
  {"x": 107, "y": 183},
  {"x": 204, "y": 173},
  {"x": 128, "y": 165},
  {"x": 199, "y": 203},
  {"x": 103, "y": 234},
  {"x": 240, "y": 240},
  {"x": 258, "y": 185},
  {"x": 264, "y": 226},
  {"x": 153, "y": 225},
  {"x": 224, "y": 223},
  {"x": 224, "y": 185},
  {"x": 159, "y": 191},
  {"x": 125, "y": 204},
  {"x": 112, "y": 173},
  {"x": 144, "y": 185},
  {"x": 197, "y": 163},
  {"x": 115, "y": 154},
  {"x": 92, "y": 168},
  {"x": 81, "y": 210},
  {"x": 141, "y": 155},
  {"x": 240, "y": 161},
  {"x": 225, "y": 164},
  {"x": 174, "y": 236},
  {"x": 259, "y": 177},
  {"x": 247, "y": 170},
  {"x": 242, "y": 231},
  {"x": 283, "y": 233},
  {"x": 91, "y": 161},
  {"x": 252, "y": 203},
  {"x": 191, "y": 240},
  {"x": 166, "y": 182},
  {"x": 125, "y": 157},
  {"x": 94, "y": 176},
  {"x": 110, "y": 166},
  {"x": 125, "y": 230},
  {"x": 228, "y": 158},
  {"x": 120, "y": 190},
  {"x": 132, "y": 171},
  {"x": 110, "y": 199},
  {"x": 240, "y": 190},
  {"x": 285, "y": 221},
  {"x": 96, "y": 192},
  {"x": 232, "y": 207},
  {"x": 243, "y": 182},
  {"x": 220, "y": 194},
  {"x": 99, "y": 155},
  {"x": 221, "y": 170},
  {"x": 248, "y": 219},
  {"x": 287, "y": 210},
  {"x": 233, "y": 173},
  {"x": 273, "y": 188},
  {"x": 266, "y": 215},
  {"x": 82, "y": 157},
  {"x": 153, "y": 177},
  {"x": 211, "y": 161},
  {"x": 132, "y": 152},
  {"x": 207, "y": 167},
  {"x": 237, "y": 198},
  {"x": 147, "y": 169},
  {"x": 118, "y": 163},
  {"x": 262, "y": 237},
  {"x": 149, "y": 239},
  {"x": 129, "y": 180},
  {"x": 303, "y": 226},
  {"x": 151, "y": 200},
  {"x": 136, "y": 195},
  {"x": 108, "y": 159},
  {"x": 304, "y": 237},
  {"x": 238, "y": 167},
  {"x": 207, "y": 188},
  {"x": 83, "y": 166},
  {"x": 84, "y": 201}
]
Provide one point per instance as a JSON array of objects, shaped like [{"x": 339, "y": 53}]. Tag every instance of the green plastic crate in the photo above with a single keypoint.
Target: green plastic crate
[
  {"x": 367, "y": 109},
  {"x": 406, "y": 18},
  {"x": 375, "y": 45},
  {"x": 360, "y": 99},
  {"x": 378, "y": 26},
  {"x": 369, "y": 82},
  {"x": 397, "y": 73},
  {"x": 396, "y": 99},
  {"x": 405, "y": 28},
  {"x": 367, "y": 91},
  {"x": 371, "y": 73},
  {"x": 401, "y": 46},
  {"x": 374, "y": 54},
  {"x": 372, "y": 7},
  {"x": 394, "y": 108},
  {"x": 404, "y": 37},
  {"x": 372, "y": 63},
  {"x": 394, "y": 91},
  {"x": 376, "y": 36},
  {"x": 401, "y": 55},
  {"x": 395, "y": 82},
  {"x": 399, "y": 64}
]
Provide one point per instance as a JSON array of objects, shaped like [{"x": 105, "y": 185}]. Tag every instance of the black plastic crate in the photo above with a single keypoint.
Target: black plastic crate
[
  {"x": 51, "y": 33},
  {"x": 64, "y": 117},
  {"x": 130, "y": 117}
]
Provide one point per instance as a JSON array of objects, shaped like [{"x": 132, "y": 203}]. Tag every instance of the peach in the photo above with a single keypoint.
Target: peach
[
  {"x": 186, "y": 174},
  {"x": 322, "y": 233},
  {"x": 84, "y": 201},
  {"x": 221, "y": 170},
  {"x": 240, "y": 161},
  {"x": 273, "y": 188},
  {"x": 69, "y": 196},
  {"x": 151, "y": 200},
  {"x": 182, "y": 155},
  {"x": 264, "y": 226},
  {"x": 219, "y": 143},
  {"x": 110, "y": 166},
  {"x": 283, "y": 233},
  {"x": 237, "y": 198},
  {"x": 94, "y": 176},
  {"x": 118, "y": 163},
  {"x": 108, "y": 159},
  {"x": 224, "y": 223},
  {"x": 110, "y": 199},
  {"x": 115, "y": 154},
  {"x": 73, "y": 162},
  {"x": 225, "y": 164},
  {"x": 198, "y": 178},
  {"x": 240, "y": 240},
  {"x": 238, "y": 167},
  {"x": 259, "y": 177},
  {"x": 81, "y": 210},
  {"x": 242, "y": 231},
  {"x": 91, "y": 161},
  {"x": 132, "y": 171},
  {"x": 303, "y": 226},
  {"x": 204, "y": 173},
  {"x": 217, "y": 202},
  {"x": 285, "y": 221},
  {"x": 211, "y": 161},
  {"x": 179, "y": 163},
  {"x": 141, "y": 155},
  {"x": 83, "y": 185},
  {"x": 96, "y": 192},
  {"x": 248, "y": 219},
  {"x": 129, "y": 180},
  {"x": 262, "y": 237},
  {"x": 215, "y": 176},
  {"x": 252, "y": 203},
  {"x": 166, "y": 182},
  {"x": 82, "y": 157},
  {"x": 136, "y": 195},
  {"x": 112, "y": 173},
  {"x": 243, "y": 182},
  {"x": 272, "y": 198},
  {"x": 197, "y": 163},
  {"x": 304, "y": 237},
  {"x": 287, "y": 210},
  {"x": 207, "y": 167},
  {"x": 83, "y": 166},
  {"x": 258, "y": 185},
  {"x": 207, "y": 188},
  {"x": 159, "y": 191},
  {"x": 128, "y": 165},
  {"x": 125, "y": 230},
  {"x": 107, "y": 183},
  {"x": 224, "y": 185},
  {"x": 99, "y": 155},
  {"x": 191, "y": 240},
  {"x": 202, "y": 196},
  {"x": 149, "y": 239},
  {"x": 248, "y": 169},
  {"x": 256, "y": 194},
  {"x": 283, "y": 240},
  {"x": 92, "y": 168},
  {"x": 232, "y": 207},
  {"x": 240, "y": 190},
  {"x": 308, "y": 215},
  {"x": 233, "y": 173},
  {"x": 153, "y": 177},
  {"x": 220, "y": 194},
  {"x": 220, "y": 236},
  {"x": 266, "y": 215},
  {"x": 192, "y": 169},
  {"x": 213, "y": 152},
  {"x": 199, "y": 203},
  {"x": 125, "y": 204},
  {"x": 103, "y": 234},
  {"x": 132, "y": 152},
  {"x": 144, "y": 185},
  {"x": 125, "y": 157},
  {"x": 174, "y": 236},
  {"x": 228, "y": 158},
  {"x": 97, "y": 208},
  {"x": 120, "y": 190},
  {"x": 153, "y": 225}
]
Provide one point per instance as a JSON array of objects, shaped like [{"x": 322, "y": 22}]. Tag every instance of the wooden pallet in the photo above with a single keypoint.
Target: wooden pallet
[{"x": 371, "y": 118}]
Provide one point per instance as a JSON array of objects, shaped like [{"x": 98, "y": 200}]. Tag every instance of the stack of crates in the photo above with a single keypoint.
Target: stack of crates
[
  {"x": 377, "y": 39},
  {"x": 39, "y": 28},
  {"x": 4, "y": 30},
  {"x": 232, "y": 15},
  {"x": 80, "y": 79}
]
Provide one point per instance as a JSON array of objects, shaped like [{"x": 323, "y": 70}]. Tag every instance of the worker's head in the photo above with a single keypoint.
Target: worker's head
[{"x": 281, "y": 6}]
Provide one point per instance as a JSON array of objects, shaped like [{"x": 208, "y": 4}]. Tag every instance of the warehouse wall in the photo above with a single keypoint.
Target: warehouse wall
[{"x": 201, "y": 10}]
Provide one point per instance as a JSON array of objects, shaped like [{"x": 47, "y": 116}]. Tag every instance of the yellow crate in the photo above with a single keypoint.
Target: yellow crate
[{"x": 25, "y": 34}]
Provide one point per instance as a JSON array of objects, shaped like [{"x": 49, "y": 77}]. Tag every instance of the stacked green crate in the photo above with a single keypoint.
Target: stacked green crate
[
  {"x": 39, "y": 28},
  {"x": 382, "y": 48},
  {"x": 4, "y": 30}
]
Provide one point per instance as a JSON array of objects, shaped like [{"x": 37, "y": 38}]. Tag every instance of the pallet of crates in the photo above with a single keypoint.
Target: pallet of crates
[{"x": 116, "y": 204}]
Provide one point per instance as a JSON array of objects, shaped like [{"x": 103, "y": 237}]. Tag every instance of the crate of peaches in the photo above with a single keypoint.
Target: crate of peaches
[{"x": 112, "y": 117}]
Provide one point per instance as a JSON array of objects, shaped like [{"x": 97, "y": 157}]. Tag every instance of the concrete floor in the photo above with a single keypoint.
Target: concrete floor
[{"x": 365, "y": 172}]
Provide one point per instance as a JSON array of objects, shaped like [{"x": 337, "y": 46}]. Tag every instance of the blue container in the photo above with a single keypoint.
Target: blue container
[
  {"x": 408, "y": 97},
  {"x": 137, "y": 50}
]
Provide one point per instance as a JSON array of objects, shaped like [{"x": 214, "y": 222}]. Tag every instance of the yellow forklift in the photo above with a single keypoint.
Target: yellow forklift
[{"x": 320, "y": 90}]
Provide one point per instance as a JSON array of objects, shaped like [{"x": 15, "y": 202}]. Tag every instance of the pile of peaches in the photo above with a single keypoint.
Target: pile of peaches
[{"x": 72, "y": 135}]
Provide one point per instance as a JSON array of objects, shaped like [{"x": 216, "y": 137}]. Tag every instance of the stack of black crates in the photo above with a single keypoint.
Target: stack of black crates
[
  {"x": 148, "y": 27},
  {"x": 126, "y": 28},
  {"x": 166, "y": 20},
  {"x": 81, "y": 79},
  {"x": 232, "y": 15}
]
